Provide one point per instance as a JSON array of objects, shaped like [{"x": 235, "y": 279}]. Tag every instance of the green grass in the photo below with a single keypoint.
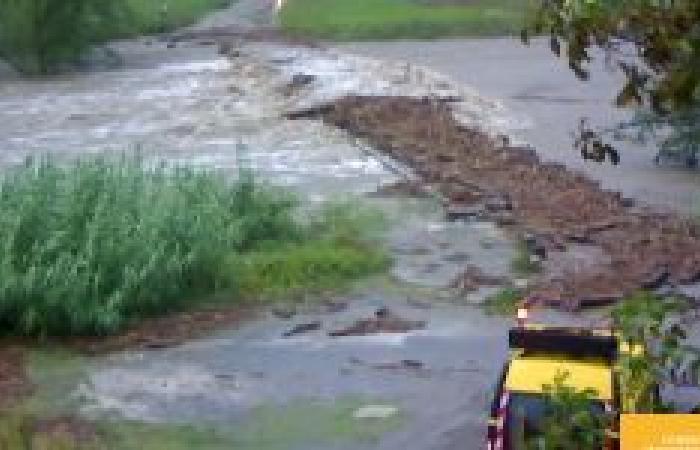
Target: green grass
[
  {"x": 88, "y": 247},
  {"x": 41, "y": 37},
  {"x": 503, "y": 303},
  {"x": 388, "y": 19},
  {"x": 156, "y": 16},
  {"x": 328, "y": 260}
]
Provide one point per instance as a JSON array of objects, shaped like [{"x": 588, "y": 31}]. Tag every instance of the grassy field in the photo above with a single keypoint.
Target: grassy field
[
  {"x": 90, "y": 247},
  {"x": 389, "y": 19},
  {"x": 151, "y": 16}
]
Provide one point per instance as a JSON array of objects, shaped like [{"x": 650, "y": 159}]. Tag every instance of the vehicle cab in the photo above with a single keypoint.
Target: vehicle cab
[{"x": 538, "y": 354}]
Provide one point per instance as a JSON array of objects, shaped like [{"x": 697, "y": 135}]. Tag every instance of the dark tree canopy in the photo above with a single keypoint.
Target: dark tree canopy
[{"x": 663, "y": 71}]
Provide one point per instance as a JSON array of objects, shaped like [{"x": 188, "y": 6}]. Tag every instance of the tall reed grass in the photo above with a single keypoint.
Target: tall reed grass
[{"x": 89, "y": 246}]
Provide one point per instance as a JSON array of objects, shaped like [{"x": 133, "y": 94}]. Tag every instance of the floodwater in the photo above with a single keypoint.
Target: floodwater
[
  {"x": 546, "y": 103},
  {"x": 190, "y": 105},
  {"x": 196, "y": 107}
]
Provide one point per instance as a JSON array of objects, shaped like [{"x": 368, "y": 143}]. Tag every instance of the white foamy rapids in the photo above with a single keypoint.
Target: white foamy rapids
[{"x": 339, "y": 74}]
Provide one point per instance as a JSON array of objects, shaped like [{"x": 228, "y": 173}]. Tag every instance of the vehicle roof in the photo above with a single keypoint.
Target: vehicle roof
[{"x": 529, "y": 374}]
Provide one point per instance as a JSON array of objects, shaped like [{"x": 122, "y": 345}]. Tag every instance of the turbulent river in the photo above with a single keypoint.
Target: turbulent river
[{"x": 192, "y": 105}]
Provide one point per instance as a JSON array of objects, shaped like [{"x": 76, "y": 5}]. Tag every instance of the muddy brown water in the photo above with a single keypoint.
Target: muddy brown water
[{"x": 190, "y": 105}]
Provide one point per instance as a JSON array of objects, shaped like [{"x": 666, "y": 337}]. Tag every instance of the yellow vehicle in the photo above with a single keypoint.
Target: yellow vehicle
[{"x": 539, "y": 354}]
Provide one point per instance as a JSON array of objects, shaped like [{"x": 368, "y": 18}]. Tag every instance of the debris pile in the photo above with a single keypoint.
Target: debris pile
[
  {"x": 473, "y": 278},
  {"x": 384, "y": 321},
  {"x": 488, "y": 178},
  {"x": 302, "y": 328}
]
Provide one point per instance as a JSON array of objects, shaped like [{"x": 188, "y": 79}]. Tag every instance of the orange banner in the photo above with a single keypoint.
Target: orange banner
[{"x": 660, "y": 432}]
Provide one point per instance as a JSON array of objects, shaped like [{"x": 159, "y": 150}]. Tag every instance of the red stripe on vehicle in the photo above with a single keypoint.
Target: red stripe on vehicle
[{"x": 501, "y": 417}]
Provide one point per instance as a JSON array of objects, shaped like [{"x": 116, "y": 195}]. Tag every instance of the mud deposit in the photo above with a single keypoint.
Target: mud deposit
[
  {"x": 565, "y": 213},
  {"x": 13, "y": 379}
]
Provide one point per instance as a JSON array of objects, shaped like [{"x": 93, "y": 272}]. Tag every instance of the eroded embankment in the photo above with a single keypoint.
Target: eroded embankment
[{"x": 634, "y": 247}]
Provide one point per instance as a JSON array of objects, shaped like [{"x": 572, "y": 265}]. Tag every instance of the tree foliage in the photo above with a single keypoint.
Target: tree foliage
[
  {"x": 570, "y": 422},
  {"x": 36, "y": 36},
  {"x": 662, "y": 72},
  {"x": 645, "y": 320},
  {"x": 654, "y": 322}
]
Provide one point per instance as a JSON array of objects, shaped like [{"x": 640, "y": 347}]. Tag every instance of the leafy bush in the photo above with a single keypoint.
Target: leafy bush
[
  {"x": 86, "y": 247},
  {"x": 652, "y": 322},
  {"x": 504, "y": 302},
  {"x": 570, "y": 421},
  {"x": 37, "y": 35},
  {"x": 320, "y": 265}
]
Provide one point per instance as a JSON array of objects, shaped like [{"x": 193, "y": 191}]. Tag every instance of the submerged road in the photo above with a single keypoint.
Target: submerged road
[
  {"x": 546, "y": 102},
  {"x": 191, "y": 105}
]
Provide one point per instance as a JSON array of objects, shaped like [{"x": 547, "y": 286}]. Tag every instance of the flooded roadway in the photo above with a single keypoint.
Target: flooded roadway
[
  {"x": 190, "y": 105},
  {"x": 546, "y": 102}
]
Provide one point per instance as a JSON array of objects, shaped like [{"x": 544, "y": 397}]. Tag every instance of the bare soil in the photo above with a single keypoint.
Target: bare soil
[
  {"x": 480, "y": 176},
  {"x": 13, "y": 379}
]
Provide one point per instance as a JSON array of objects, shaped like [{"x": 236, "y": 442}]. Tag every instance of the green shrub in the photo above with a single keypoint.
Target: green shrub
[
  {"x": 570, "y": 421},
  {"x": 652, "y": 321},
  {"x": 504, "y": 303},
  {"x": 39, "y": 36},
  {"x": 86, "y": 247},
  {"x": 36, "y": 36},
  {"x": 313, "y": 265}
]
